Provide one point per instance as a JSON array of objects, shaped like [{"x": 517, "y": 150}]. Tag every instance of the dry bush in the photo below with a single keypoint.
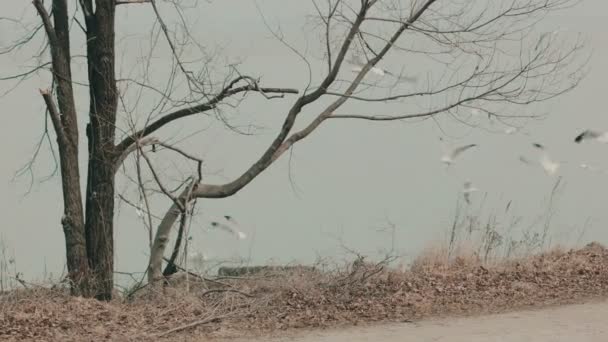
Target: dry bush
[
  {"x": 439, "y": 258},
  {"x": 359, "y": 292}
]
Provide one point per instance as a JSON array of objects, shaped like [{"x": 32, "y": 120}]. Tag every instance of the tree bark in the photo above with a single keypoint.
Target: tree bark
[
  {"x": 171, "y": 267},
  {"x": 73, "y": 222},
  {"x": 160, "y": 243},
  {"x": 99, "y": 224},
  {"x": 162, "y": 235},
  {"x": 65, "y": 124}
]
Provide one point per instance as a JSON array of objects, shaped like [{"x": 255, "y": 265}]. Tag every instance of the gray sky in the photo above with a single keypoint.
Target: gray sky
[{"x": 351, "y": 176}]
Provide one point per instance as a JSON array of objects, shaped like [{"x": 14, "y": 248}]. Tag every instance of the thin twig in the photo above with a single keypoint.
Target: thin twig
[
  {"x": 227, "y": 290},
  {"x": 194, "y": 324}
]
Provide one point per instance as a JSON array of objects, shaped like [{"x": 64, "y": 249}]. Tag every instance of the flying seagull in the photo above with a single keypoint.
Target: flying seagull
[
  {"x": 524, "y": 160},
  {"x": 591, "y": 168},
  {"x": 359, "y": 64},
  {"x": 197, "y": 257},
  {"x": 229, "y": 224},
  {"x": 449, "y": 155},
  {"x": 546, "y": 162},
  {"x": 515, "y": 130},
  {"x": 592, "y": 135},
  {"x": 475, "y": 112},
  {"x": 467, "y": 190}
]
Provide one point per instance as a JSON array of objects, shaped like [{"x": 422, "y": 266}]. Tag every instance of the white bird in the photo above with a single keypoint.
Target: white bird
[
  {"x": 546, "y": 162},
  {"x": 591, "y": 168},
  {"x": 467, "y": 190},
  {"x": 375, "y": 70},
  {"x": 524, "y": 160},
  {"x": 229, "y": 224},
  {"x": 592, "y": 135},
  {"x": 449, "y": 155},
  {"x": 198, "y": 257},
  {"x": 359, "y": 65},
  {"x": 515, "y": 130}
]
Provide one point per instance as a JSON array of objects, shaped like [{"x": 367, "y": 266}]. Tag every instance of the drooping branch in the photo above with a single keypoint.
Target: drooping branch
[
  {"x": 149, "y": 140},
  {"x": 228, "y": 91},
  {"x": 280, "y": 145},
  {"x": 497, "y": 91},
  {"x": 200, "y": 190},
  {"x": 215, "y": 191}
]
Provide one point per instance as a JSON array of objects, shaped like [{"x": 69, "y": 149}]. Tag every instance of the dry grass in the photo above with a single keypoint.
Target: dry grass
[{"x": 435, "y": 285}]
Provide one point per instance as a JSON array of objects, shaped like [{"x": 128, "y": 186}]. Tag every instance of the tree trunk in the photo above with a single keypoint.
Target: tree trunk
[
  {"x": 171, "y": 267},
  {"x": 160, "y": 243},
  {"x": 65, "y": 124},
  {"x": 163, "y": 231},
  {"x": 99, "y": 225},
  {"x": 73, "y": 222}
]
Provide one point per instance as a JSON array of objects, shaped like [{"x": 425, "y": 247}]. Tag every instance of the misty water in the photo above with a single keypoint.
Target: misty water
[{"x": 351, "y": 186}]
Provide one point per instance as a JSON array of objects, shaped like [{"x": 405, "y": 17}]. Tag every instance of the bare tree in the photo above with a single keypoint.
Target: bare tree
[{"x": 481, "y": 54}]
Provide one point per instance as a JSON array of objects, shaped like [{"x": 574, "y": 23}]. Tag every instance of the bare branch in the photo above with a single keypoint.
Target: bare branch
[
  {"x": 142, "y": 142},
  {"x": 142, "y": 193},
  {"x": 268, "y": 157},
  {"x": 128, "y": 2},
  {"x": 280, "y": 145},
  {"x": 46, "y": 21},
  {"x": 226, "y": 92},
  {"x": 55, "y": 116},
  {"x": 167, "y": 193},
  {"x": 195, "y": 324}
]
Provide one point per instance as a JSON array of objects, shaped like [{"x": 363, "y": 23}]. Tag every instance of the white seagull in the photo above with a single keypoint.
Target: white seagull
[
  {"x": 546, "y": 162},
  {"x": 449, "y": 155},
  {"x": 467, "y": 190},
  {"x": 229, "y": 224},
  {"x": 510, "y": 130},
  {"x": 359, "y": 64},
  {"x": 524, "y": 160},
  {"x": 591, "y": 168},
  {"x": 592, "y": 135}
]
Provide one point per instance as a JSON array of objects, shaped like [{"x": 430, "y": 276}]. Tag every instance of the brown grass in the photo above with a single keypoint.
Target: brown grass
[{"x": 434, "y": 285}]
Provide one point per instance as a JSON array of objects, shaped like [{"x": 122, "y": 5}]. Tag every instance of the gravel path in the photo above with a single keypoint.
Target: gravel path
[{"x": 582, "y": 322}]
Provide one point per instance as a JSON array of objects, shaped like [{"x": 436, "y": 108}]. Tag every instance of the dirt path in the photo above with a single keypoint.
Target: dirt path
[{"x": 583, "y": 322}]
